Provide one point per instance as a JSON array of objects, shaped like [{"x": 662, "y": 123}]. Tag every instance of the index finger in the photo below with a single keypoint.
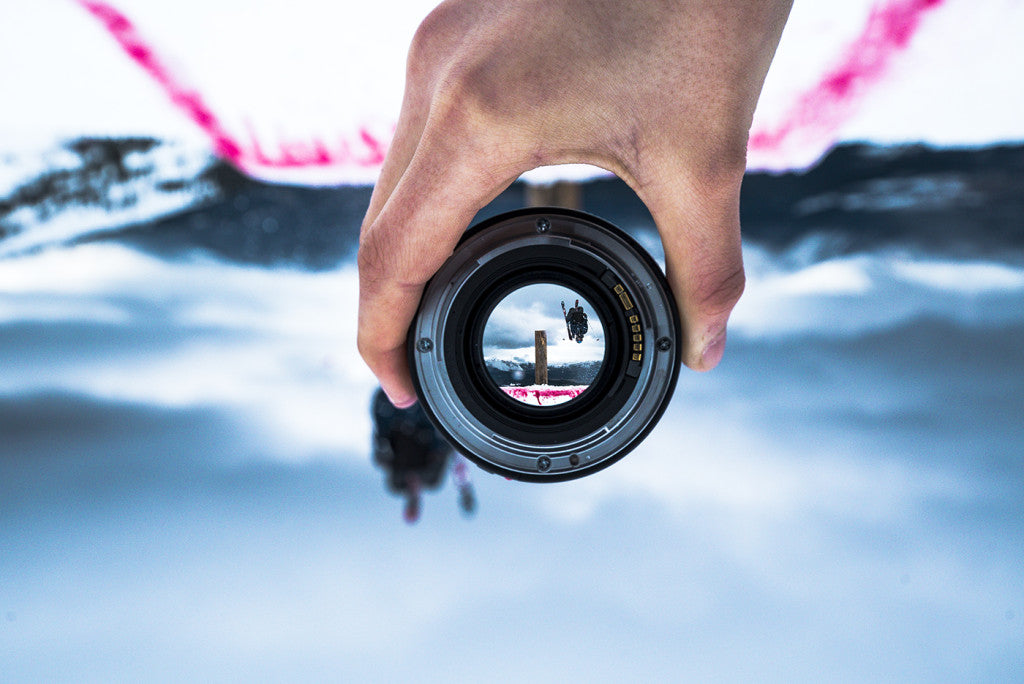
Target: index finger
[{"x": 415, "y": 232}]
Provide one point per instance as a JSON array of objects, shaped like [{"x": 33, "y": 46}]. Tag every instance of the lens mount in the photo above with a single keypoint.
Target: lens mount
[{"x": 628, "y": 394}]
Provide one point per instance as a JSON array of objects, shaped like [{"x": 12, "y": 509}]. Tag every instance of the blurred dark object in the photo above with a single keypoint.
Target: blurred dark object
[
  {"x": 567, "y": 194},
  {"x": 414, "y": 456}
]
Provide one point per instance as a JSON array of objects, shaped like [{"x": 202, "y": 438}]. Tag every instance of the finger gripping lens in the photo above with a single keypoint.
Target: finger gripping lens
[{"x": 547, "y": 346}]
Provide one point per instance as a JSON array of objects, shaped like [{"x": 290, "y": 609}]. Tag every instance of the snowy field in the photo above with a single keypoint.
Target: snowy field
[
  {"x": 186, "y": 487},
  {"x": 187, "y": 491},
  {"x": 544, "y": 395},
  {"x": 308, "y": 91}
]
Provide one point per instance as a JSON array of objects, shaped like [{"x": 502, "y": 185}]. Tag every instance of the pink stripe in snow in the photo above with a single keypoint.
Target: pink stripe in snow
[
  {"x": 189, "y": 101},
  {"x": 823, "y": 108},
  {"x": 530, "y": 395},
  {"x": 819, "y": 112},
  {"x": 367, "y": 151}
]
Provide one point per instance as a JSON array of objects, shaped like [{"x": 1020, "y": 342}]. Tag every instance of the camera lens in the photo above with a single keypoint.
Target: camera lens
[
  {"x": 537, "y": 352},
  {"x": 547, "y": 346}
]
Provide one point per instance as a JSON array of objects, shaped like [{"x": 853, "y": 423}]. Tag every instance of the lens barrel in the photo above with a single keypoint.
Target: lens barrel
[{"x": 629, "y": 392}]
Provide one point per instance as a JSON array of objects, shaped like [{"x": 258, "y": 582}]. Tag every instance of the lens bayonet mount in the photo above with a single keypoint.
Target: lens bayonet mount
[{"x": 627, "y": 395}]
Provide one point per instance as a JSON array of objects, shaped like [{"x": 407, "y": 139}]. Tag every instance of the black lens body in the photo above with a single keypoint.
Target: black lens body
[{"x": 630, "y": 296}]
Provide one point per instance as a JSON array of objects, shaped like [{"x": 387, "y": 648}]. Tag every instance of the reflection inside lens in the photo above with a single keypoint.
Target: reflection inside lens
[{"x": 543, "y": 344}]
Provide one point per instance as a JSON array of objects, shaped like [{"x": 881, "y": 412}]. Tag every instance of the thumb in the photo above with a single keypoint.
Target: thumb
[{"x": 699, "y": 225}]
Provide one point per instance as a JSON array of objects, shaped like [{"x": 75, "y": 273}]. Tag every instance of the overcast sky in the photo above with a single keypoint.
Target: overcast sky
[{"x": 509, "y": 333}]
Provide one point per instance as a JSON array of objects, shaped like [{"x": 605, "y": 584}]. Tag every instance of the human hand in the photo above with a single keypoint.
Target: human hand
[{"x": 659, "y": 93}]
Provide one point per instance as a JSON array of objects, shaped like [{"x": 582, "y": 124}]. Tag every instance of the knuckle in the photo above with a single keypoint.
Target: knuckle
[
  {"x": 721, "y": 169},
  {"x": 475, "y": 94},
  {"x": 364, "y": 348},
  {"x": 401, "y": 267},
  {"x": 434, "y": 37},
  {"x": 718, "y": 293},
  {"x": 369, "y": 351},
  {"x": 439, "y": 40},
  {"x": 459, "y": 104},
  {"x": 372, "y": 257}
]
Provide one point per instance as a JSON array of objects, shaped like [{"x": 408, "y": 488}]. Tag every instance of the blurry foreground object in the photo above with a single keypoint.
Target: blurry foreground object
[{"x": 414, "y": 456}]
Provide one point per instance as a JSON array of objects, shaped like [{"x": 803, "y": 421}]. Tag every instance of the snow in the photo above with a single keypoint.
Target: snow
[
  {"x": 544, "y": 395},
  {"x": 193, "y": 332},
  {"x": 283, "y": 79},
  {"x": 850, "y": 295},
  {"x": 563, "y": 354},
  {"x": 276, "y": 343},
  {"x": 163, "y": 180}
]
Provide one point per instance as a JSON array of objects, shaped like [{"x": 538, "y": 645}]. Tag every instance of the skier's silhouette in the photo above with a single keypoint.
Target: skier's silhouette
[{"x": 575, "y": 322}]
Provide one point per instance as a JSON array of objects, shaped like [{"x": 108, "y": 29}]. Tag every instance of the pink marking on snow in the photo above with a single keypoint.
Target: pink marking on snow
[
  {"x": 189, "y": 101},
  {"x": 553, "y": 395},
  {"x": 813, "y": 118},
  {"x": 377, "y": 150},
  {"x": 369, "y": 152},
  {"x": 823, "y": 108}
]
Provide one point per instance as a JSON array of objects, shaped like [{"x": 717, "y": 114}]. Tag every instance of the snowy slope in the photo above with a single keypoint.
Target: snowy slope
[
  {"x": 91, "y": 186},
  {"x": 308, "y": 92}
]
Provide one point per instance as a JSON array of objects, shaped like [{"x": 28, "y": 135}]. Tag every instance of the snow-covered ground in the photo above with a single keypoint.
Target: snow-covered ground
[
  {"x": 91, "y": 186},
  {"x": 188, "y": 491},
  {"x": 564, "y": 352},
  {"x": 309, "y": 92},
  {"x": 544, "y": 395}
]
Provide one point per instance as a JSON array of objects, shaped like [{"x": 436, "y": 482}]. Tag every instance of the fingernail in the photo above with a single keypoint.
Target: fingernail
[
  {"x": 401, "y": 402},
  {"x": 713, "y": 352}
]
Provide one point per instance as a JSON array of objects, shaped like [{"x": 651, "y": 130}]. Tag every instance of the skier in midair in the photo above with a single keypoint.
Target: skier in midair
[{"x": 575, "y": 322}]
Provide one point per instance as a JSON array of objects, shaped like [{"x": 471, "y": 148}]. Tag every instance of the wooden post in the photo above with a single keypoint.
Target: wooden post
[
  {"x": 568, "y": 194},
  {"x": 540, "y": 355}
]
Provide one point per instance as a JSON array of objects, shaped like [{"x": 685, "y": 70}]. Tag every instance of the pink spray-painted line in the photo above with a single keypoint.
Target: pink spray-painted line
[
  {"x": 187, "y": 100},
  {"x": 547, "y": 395},
  {"x": 814, "y": 118},
  {"x": 820, "y": 111},
  {"x": 367, "y": 150}
]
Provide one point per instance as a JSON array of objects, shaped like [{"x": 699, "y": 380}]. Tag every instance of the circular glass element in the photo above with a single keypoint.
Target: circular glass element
[{"x": 543, "y": 344}]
